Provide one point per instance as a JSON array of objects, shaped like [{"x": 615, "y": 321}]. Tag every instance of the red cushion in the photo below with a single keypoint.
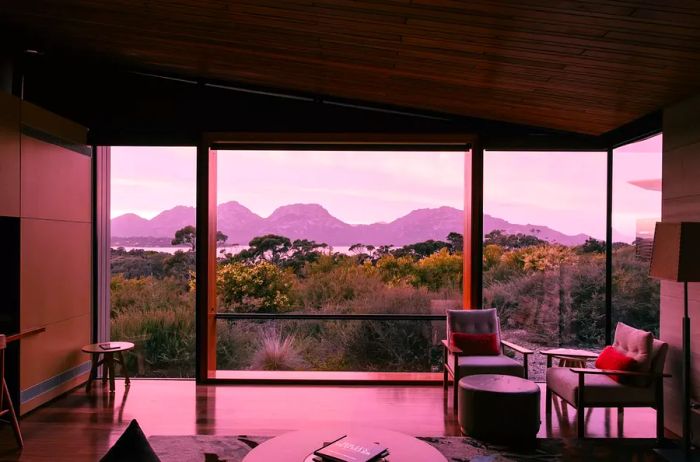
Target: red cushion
[
  {"x": 476, "y": 344},
  {"x": 611, "y": 359}
]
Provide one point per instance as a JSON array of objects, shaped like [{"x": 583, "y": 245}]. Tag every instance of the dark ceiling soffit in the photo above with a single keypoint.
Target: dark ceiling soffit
[
  {"x": 339, "y": 147},
  {"x": 637, "y": 130},
  {"x": 340, "y": 141},
  {"x": 298, "y": 96},
  {"x": 494, "y": 135}
]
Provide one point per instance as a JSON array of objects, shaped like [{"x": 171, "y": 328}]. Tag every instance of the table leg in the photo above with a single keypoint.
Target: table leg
[
  {"x": 11, "y": 410},
  {"x": 93, "y": 372},
  {"x": 124, "y": 370},
  {"x": 109, "y": 362}
]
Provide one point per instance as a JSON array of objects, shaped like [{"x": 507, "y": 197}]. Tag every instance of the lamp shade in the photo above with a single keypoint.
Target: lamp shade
[{"x": 676, "y": 252}]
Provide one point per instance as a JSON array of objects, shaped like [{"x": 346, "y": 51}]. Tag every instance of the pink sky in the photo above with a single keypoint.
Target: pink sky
[{"x": 565, "y": 191}]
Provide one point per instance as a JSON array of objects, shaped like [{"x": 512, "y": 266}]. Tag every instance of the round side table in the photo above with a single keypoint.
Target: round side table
[
  {"x": 108, "y": 360},
  {"x": 568, "y": 357}
]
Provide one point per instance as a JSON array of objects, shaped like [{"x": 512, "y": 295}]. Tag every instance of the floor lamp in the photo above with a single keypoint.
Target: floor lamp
[{"x": 676, "y": 257}]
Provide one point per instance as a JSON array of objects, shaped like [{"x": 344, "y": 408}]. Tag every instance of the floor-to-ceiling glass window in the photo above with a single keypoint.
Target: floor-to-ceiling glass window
[
  {"x": 544, "y": 248},
  {"x": 153, "y": 257},
  {"x": 636, "y": 209},
  {"x": 337, "y": 233}
]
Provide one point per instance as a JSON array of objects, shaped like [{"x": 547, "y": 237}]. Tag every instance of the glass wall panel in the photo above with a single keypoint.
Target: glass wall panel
[
  {"x": 636, "y": 209},
  {"x": 153, "y": 255},
  {"x": 338, "y": 232},
  {"x": 544, "y": 248}
]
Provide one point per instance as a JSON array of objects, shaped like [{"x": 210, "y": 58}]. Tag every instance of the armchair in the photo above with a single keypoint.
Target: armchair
[
  {"x": 457, "y": 364},
  {"x": 582, "y": 387}
]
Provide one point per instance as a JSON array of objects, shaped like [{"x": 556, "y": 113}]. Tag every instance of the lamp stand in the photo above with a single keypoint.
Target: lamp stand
[{"x": 684, "y": 453}]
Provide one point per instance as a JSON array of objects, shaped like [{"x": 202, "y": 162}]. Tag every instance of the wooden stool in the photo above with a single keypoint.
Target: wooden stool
[
  {"x": 6, "y": 407},
  {"x": 5, "y": 399},
  {"x": 108, "y": 361}
]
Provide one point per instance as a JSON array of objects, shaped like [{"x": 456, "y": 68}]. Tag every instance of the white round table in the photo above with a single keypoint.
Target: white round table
[{"x": 299, "y": 446}]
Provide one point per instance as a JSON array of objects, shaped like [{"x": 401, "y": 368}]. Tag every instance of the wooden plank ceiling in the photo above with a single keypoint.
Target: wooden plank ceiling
[{"x": 582, "y": 66}]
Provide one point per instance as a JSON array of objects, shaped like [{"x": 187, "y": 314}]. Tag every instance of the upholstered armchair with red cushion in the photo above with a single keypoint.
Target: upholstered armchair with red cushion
[
  {"x": 628, "y": 373},
  {"x": 474, "y": 346}
]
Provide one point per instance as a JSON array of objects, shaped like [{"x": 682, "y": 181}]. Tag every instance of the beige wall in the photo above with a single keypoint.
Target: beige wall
[
  {"x": 47, "y": 184},
  {"x": 681, "y": 202}
]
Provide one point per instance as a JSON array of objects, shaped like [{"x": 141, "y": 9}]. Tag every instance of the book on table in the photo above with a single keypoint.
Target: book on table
[
  {"x": 108, "y": 346},
  {"x": 351, "y": 449}
]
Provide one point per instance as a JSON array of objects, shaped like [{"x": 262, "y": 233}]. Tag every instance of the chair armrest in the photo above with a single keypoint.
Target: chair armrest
[
  {"x": 581, "y": 370},
  {"x": 517, "y": 348},
  {"x": 452, "y": 348}
]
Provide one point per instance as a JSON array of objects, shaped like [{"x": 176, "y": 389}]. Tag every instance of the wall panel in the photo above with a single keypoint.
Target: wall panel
[
  {"x": 55, "y": 274},
  {"x": 55, "y": 255},
  {"x": 52, "y": 362},
  {"x": 56, "y": 182},
  {"x": 9, "y": 156},
  {"x": 681, "y": 202}
]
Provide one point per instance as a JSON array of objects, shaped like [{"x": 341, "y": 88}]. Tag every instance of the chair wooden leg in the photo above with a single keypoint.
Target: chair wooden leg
[
  {"x": 581, "y": 421},
  {"x": 445, "y": 358},
  {"x": 660, "y": 414},
  {"x": 13, "y": 416},
  {"x": 548, "y": 402},
  {"x": 455, "y": 389},
  {"x": 620, "y": 422},
  {"x": 580, "y": 407}
]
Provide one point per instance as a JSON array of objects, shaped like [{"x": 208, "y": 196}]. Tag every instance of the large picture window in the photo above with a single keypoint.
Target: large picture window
[
  {"x": 544, "y": 248},
  {"x": 153, "y": 257},
  {"x": 348, "y": 260},
  {"x": 325, "y": 243},
  {"x": 636, "y": 209}
]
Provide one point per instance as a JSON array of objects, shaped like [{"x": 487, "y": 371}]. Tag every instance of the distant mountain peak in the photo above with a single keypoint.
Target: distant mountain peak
[
  {"x": 129, "y": 216},
  {"x": 313, "y": 221},
  {"x": 300, "y": 208}
]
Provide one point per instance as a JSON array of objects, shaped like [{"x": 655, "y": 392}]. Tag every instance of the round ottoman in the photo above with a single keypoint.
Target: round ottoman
[{"x": 499, "y": 408}]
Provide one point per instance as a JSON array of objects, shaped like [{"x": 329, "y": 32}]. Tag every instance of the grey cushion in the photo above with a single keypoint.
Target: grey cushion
[
  {"x": 659, "y": 350},
  {"x": 634, "y": 343},
  {"x": 600, "y": 389},
  {"x": 500, "y": 364},
  {"x": 473, "y": 322}
]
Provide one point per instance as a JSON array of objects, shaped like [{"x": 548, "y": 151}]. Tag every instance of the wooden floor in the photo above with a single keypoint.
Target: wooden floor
[{"x": 81, "y": 427}]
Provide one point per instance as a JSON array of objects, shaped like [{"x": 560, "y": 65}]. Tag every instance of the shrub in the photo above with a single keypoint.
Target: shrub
[
  {"x": 158, "y": 316},
  {"x": 277, "y": 353},
  {"x": 260, "y": 287}
]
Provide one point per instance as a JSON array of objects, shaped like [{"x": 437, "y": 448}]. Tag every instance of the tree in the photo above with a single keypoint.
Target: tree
[
  {"x": 421, "y": 249},
  {"x": 303, "y": 251},
  {"x": 270, "y": 247},
  {"x": 593, "y": 246},
  {"x": 456, "y": 241},
  {"x": 512, "y": 241},
  {"x": 186, "y": 235}
]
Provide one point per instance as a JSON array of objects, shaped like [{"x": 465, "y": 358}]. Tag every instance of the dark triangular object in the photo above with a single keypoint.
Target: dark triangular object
[{"x": 132, "y": 446}]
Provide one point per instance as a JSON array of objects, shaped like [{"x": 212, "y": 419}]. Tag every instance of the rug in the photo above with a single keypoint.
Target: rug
[{"x": 212, "y": 448}]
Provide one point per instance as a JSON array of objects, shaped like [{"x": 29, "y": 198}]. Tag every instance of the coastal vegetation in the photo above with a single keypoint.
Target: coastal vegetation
[{"x": 546, "y": 294}]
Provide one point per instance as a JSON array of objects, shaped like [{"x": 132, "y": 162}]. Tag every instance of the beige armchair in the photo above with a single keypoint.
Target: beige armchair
[
  {"x": 458, "y": 365},
  {"x": 583, "y": 388}
]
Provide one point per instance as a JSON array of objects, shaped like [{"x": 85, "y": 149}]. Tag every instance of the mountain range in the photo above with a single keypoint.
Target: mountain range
[{"x": 312, "y": 221}]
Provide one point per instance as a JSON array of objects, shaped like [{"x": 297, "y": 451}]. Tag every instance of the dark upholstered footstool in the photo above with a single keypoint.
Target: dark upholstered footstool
[{"x": 499, "y": 408}]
